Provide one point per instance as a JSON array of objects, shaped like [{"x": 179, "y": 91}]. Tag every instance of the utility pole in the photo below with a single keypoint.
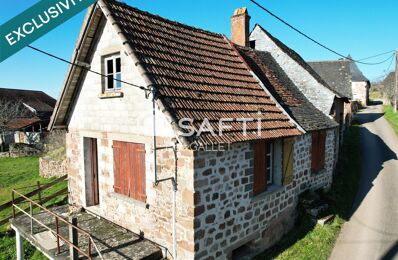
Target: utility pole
[{"x": 396, "y": 82}]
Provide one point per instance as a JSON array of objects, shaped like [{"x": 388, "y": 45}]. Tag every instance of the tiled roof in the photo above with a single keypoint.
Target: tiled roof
[
  {"x": 336, "y": 73},
  {"x": 20, "y": 123},
  {"x": 199, "y": 75},
  {"x": 285, "y": 91},
  {"x": 297, "y": 58}
]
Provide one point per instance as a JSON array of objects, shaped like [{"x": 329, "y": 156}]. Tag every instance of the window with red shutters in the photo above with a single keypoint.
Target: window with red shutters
[
  {"x": 318, "y": 151},
  {"x": 129, "y": 169}
]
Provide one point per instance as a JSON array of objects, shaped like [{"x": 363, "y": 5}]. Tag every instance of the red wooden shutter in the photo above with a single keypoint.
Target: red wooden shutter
[
  {"x": 117, "y": 163},
  {"x": 322, "y": 143},
  {"x": 129, "y": 168},
  {"x": 139, "y": 172},
  {"x": 314, "y": 152},
  {"x": 259, "y": 167}
]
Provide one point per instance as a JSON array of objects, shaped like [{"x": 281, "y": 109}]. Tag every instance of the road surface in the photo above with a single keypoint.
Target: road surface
[{"x": 372, "y": 231}]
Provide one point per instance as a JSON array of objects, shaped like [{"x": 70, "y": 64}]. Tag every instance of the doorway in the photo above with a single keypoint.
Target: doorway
[{"x": 91, "y": 171}]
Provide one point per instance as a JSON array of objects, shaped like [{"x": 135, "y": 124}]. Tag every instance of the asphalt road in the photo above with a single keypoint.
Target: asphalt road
[{"x": 372, "y": 231}]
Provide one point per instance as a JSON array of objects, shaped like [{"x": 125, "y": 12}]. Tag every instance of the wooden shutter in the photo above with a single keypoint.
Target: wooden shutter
[
  {"x": 288, "y": 149},
  {"x": 314, "y": 152},
  {"x": 259, "y": 168},
  {"x": 129, "y": 168},
  {"x": 139, "y": 172},
  {"x": 94, "y": 171},
  {"x": 117, "y": 164},
  {"x": 322, "y": 147}
]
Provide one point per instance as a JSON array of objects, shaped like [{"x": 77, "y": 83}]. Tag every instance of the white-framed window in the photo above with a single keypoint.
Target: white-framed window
[
  {"x": 113, "y": 72},
  {"x": 270, "y": 162}
]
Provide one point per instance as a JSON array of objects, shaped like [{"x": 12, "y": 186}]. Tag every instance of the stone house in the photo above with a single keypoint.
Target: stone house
[
  {"x": 194, "y": 142},
  {"x": 31, "y": 122},
  {"x": 323, "y": 96},
  {"x": 337, "y": 74},
  {"x": 360, "y": 85}
]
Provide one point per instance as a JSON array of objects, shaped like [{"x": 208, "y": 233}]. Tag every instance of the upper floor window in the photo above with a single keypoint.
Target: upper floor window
[{"x": 113, "y": 73}]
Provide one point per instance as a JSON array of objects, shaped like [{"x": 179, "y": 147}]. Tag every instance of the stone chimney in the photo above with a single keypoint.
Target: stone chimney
[{"x": 240, "y": 22}]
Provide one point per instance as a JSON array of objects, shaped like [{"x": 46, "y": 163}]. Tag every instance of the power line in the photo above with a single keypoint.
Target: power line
[
  {"x": 378, "y": 55},
  {"x": 312, "y": 39},
  {"x": 83, "y": 67},
  {"x": 386, "y": 71}
]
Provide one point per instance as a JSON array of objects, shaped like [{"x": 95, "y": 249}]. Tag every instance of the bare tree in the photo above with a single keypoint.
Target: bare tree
[{"x": 10, "y": 110}]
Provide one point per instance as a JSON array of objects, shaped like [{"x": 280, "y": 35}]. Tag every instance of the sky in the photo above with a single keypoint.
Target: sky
[{"x": 361, "y": 28}]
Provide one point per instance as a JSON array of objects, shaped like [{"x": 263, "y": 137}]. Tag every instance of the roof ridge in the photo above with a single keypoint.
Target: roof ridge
[{"x": 173, "y": 22}]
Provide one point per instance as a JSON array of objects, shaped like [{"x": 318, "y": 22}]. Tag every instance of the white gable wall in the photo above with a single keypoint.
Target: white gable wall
[
  {"x": 129, "y": 119},
  {"x": 320, "y": 96},
  {"x": 129, "y": 114}
]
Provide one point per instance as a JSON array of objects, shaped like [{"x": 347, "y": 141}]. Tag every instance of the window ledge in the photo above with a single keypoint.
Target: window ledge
[
  {"x": 274, "y": 188},
  {"x": 111, "y": 94},
  {"x": 127, "y": 199}
]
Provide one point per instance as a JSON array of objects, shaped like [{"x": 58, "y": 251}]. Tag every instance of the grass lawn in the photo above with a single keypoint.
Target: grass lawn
[
  {"x": 17, "y": 173},
  {"x": 391, "y": 117},
  {"x": 310, "y": 241}
]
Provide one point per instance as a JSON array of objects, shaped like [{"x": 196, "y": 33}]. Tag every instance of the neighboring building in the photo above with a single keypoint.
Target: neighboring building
[
  {"x": 337, "y": 75},
  {"x": 314, "y": 87},
  {"x": 28, "y": 128},
  {"x": 128, "y": 151},
  {"x": 360, "y": 85},
  {"x": 388, "y": 88}
]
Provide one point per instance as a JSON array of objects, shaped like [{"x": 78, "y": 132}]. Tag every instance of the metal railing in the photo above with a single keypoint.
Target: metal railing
[{"x": 58, "y": 220}]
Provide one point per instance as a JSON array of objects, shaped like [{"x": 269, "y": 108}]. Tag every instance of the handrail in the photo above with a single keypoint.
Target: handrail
[
  {"x": 34, "y": 192},
  {"x": 57, "y": 219}
]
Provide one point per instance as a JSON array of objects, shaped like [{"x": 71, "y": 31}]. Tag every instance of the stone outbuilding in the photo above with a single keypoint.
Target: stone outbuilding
[
  {"x": 337, "y": 73},
  {"x": 192, "y": 141},
  {"x": 30, "y": 124},
  {"x": 360, "y": 85}
]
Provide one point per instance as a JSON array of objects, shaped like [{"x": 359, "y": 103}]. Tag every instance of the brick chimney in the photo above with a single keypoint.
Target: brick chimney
[{"x": 240, "y": 22}]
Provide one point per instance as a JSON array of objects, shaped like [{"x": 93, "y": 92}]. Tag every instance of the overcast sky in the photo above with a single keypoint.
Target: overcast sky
[{"x": 361, "y": 28}]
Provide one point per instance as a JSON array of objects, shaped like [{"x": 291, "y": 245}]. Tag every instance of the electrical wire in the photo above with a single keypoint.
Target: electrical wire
[
  {"x": 83, "y": 67},
  {"x": 377, "y": 55},
  {"x": 312, "y": 39},
  {"x": 386, "y": 71}
]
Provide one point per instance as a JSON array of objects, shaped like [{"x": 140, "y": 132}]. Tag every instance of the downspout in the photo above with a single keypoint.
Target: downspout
[{"x": 172, "y": 179}]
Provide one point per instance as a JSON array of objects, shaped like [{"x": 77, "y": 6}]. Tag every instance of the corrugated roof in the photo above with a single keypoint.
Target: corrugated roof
[
  {"x": 20, "y": 123},
  {"x": 285, "y": 91},
  {"x": 38, "y": 100},
  {"x": 199, "y": 75},
  {"x": 336, "y": 73}
]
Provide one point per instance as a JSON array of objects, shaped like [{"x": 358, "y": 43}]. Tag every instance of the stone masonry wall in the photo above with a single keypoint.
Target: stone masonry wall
[
  {"x": 52, "y": 168},
  {"x": 317, "y": 94},
  {"x": 227, "y": 215},
  {"x": 360, "y": 92}
]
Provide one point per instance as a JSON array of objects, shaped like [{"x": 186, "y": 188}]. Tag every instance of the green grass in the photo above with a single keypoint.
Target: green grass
[
  {"x": 18, "y": 173},
  {"x": 310, "y": 241},
  {"x": 391, "y": 117}
]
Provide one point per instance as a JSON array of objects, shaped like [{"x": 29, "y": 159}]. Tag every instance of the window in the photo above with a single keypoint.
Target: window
[
  {"x": 318, "y": 151},
  {"x": 263, "y": 166},
  {"x": 113, "y": 73},
  {"x": 129, "y": 169}
]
